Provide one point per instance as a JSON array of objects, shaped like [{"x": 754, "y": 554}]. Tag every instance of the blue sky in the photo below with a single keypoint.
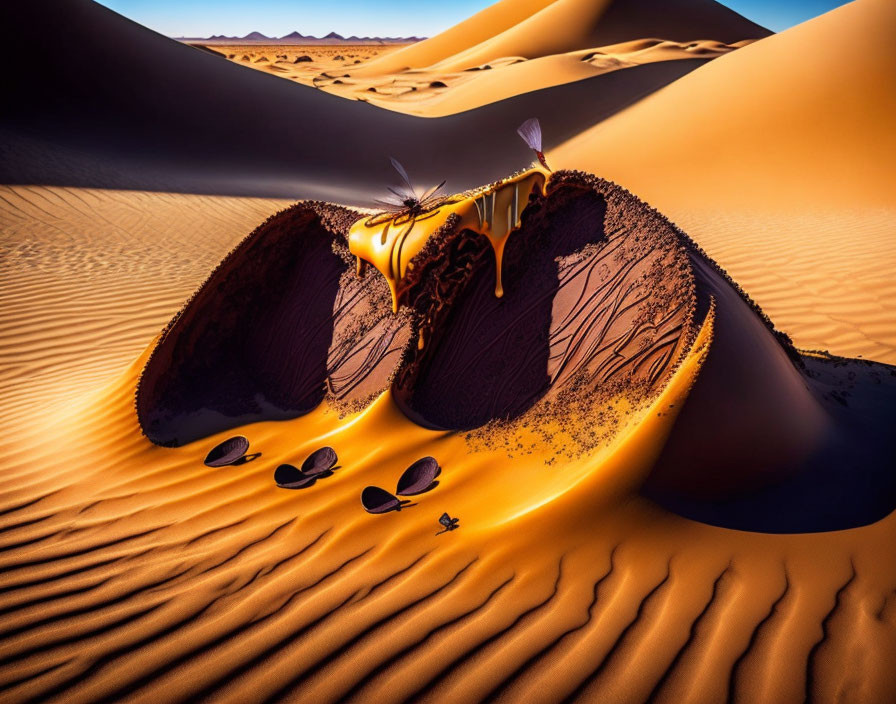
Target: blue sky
[{"x": 369, "y": 17}]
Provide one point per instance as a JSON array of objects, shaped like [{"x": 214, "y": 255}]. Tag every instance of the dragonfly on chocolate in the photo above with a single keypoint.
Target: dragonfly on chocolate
[{"x": 405, "y": 203}]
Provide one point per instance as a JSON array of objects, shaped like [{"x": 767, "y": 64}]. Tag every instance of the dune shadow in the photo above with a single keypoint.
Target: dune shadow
[
  {"x": 491, "y": 357},
  {"x": 771, "y": 440},
  {"x": 847, "y": 479}
]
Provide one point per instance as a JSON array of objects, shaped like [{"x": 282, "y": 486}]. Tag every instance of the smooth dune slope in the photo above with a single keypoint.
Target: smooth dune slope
[
  {"x": 778, "y": 158},
  {"x": 533, "y": 29},
  {"x": 129, "y": 108}
]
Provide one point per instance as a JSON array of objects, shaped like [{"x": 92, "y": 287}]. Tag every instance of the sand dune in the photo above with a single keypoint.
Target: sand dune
[
  {"x": 659, "y": 498},
  {"x": 141, "y": 123},
  {"x": 436, "y": 92},
  {"x": 132, "y": 571},
  {"x": 544, "y": 27},
  {"x": 787, "y": 179},
  {"x": 89, "y": 276},
  {"x": 822, "y": 274}
]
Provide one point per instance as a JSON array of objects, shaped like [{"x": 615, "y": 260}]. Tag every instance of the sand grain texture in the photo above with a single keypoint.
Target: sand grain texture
[{"x": 89, "y": 276}]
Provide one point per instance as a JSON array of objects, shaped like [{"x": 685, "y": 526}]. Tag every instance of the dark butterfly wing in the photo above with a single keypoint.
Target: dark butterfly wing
[{"x": 445, "y": 520}]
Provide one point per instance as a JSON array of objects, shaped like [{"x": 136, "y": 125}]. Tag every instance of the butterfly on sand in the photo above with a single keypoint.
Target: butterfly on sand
[{"x": 448, "y": 522}]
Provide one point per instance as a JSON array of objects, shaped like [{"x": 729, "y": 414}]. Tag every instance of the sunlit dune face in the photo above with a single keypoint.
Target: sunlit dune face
[{"x": 458, "y": 84}]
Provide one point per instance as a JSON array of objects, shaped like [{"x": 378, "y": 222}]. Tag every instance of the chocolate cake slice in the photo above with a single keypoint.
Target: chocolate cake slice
[{"x": 282, "y": 323}]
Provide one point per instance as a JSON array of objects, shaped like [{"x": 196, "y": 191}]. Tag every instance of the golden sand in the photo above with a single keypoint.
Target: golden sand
[
  {"x": 133, "y": 572},
  {"x": 167, "y": 580},
  {"x": 451, "y": 87},
  {"x": 779, "y": 159}
]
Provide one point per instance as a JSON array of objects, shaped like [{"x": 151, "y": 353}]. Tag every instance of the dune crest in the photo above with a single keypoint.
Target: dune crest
[
  {"x": 513, "y": 48},
  {"x": 62, "y": 130},
  {"x": 544, "y": 27},
  {"x": 439, "y": 91}
]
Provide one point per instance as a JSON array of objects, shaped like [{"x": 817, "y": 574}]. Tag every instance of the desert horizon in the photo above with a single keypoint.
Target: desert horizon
[{"x": 533, "y": 351}]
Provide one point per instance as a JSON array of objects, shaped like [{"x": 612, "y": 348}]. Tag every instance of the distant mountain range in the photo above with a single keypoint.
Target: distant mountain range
[{"x": 298, "y": 38}]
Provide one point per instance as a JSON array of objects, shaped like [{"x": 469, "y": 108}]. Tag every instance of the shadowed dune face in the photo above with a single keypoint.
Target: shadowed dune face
[
  {"x": 281, "y": 322},
  {"x": 154, "y": 114},
  {"x": 772, "y": 440}
]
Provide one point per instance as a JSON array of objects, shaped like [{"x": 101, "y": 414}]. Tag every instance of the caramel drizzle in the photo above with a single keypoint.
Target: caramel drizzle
[{"x": 497, "y": 215}]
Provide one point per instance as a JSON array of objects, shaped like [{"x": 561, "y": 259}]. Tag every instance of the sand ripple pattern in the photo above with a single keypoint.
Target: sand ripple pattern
[
  {"x": 824, "y": 277},
  {"x": 132, "y": 572},
  {"x": 88, "y": 277},
  {"x": 128, "y": 596}
]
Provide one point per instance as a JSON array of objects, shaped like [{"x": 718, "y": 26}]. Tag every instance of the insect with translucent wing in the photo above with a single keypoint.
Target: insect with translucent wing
[
  {"x": 448, "y": 522},
  {"x": 530, "y": 131},
  {"x": 406, "y": 203}
]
